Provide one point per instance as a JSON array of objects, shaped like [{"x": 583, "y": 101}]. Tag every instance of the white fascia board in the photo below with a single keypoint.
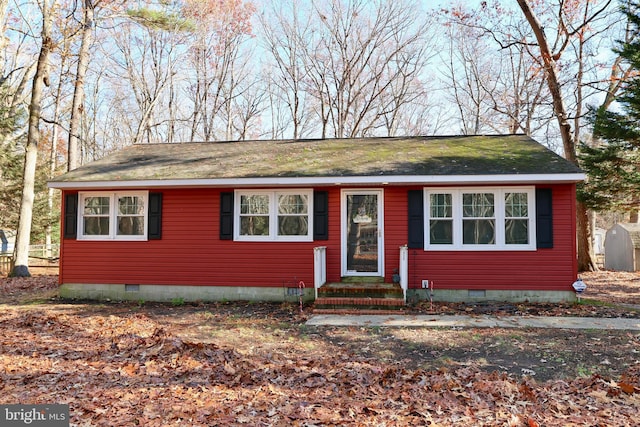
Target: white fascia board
[{"x": 323, "y": 181}]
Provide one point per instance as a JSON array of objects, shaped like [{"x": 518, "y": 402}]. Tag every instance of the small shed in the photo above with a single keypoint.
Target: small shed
[
  {"x": 598, "y": 240},
  {"x": 622, "y": 247}
]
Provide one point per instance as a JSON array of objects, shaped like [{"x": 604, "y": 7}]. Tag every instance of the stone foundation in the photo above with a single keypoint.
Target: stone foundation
[
  {"x": 174, "y": 293},
  {"x": 473, "y": 295},
  {"x": 185, "y": 293}
]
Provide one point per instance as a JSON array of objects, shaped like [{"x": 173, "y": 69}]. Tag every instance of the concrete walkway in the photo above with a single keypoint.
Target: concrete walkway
[{"x": 458, "y": 321}]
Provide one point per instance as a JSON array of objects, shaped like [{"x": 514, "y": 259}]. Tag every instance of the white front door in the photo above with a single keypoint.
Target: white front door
[{"x": 362, "y": 237}]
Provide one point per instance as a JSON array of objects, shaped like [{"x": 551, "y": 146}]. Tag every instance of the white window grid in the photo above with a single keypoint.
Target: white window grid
[
  {"x": 273, "y": 214},
  {"x": 113, "y": 215},
  {"x": 499, "y": 215}
]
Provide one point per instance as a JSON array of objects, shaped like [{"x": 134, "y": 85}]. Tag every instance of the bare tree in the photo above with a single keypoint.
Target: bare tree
[
  {"x": 285, "y": 32},
  {"x": 496, "y": 86},
  {"x": 3, "y": 17},
  {"x": 217, "y": 63},
  {"x": 355, "y": 60},
  {"x": 471, "y": 77},
  {"x": 317, "y": 85},
  {"x": 17, "y": 65},
  {"x": 549, "y": 62},
  {"x": 423, "y": 116},
  {"x": 40, "y": 79},
  {"x": 520, "y": 95},
  {"x": 278, "y": 114},
  {"x": 567, "y": 30},
  {"x": 407, "y": 95},
  {"x": 556, "y": 38},
  {"x": 147, "y": 57},
  {"x": 88, "y": 9},
  {"x": 61, "y": 58},
  {"x": 4, "y": 41},
  {"x": 245, "y": 112}
]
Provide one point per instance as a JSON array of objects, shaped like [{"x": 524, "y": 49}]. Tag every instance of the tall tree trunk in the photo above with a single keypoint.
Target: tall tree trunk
[
  {"x": 586, "y": 252},
  {"x": 41, "y": 78},
  {"x": 550, "y": 69},
  {"x": 53, "y": 160},
  {"x": 78, "y": 93},
  {"x": 586, "y": 256}
]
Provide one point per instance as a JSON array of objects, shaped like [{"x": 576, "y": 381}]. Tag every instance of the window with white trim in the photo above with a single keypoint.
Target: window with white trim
[
  {"x": 112, "y": 216},
  {"x": 273, "y": 215},
  {"x": 480, "y": 219}
]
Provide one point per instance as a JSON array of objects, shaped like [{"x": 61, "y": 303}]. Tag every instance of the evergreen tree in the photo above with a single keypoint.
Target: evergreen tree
[
  {"x": 11, "y": 160},
  {"x": 10, "y": 176},
  {"x": 11, "y": 170},
  {"x": 612, "y": 163}
]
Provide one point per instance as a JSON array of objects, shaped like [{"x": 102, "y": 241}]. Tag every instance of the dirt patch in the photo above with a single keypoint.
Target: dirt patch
[{"x": 543, "y": 354}]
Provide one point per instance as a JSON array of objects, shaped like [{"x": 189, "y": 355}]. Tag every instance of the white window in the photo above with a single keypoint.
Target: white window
[
  {"x": 273, "y": 215},
  {"x": 480, "y": 219},
  {"x": 112, "y": 216}
]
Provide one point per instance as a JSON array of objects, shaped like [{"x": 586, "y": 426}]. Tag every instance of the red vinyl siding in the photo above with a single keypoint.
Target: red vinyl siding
[
  {"x": 334, "y": 259},
  {"x": 542, "y": 269},
  {"x": 395, "y": 228},
  {"x": 190, "y": 252}
]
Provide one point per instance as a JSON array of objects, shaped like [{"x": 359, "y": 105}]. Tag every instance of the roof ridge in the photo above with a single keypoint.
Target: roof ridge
[{"x": 359, "y": 138}]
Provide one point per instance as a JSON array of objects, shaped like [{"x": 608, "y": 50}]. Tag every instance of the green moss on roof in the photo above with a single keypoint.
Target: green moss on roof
[{"x": 461, "y": 155}]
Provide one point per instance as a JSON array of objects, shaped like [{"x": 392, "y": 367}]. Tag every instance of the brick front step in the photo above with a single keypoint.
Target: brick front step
[
  {"x": 364, "y": 301},
  {"x": 360, "y": 290},
  {"x": 346, "y": 311},
  {"x": 364, "y": 305},
  {"x": 360, "y": 297}
]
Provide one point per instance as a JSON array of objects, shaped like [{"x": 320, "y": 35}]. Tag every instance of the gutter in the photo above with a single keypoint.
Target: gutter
[{"x": 567, "y": 178}]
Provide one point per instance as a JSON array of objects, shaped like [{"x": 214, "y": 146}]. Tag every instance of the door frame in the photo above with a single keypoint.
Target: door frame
[{"x": 343, "y": 230}]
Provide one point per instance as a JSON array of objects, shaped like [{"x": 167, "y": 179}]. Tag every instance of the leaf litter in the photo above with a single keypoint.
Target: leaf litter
[{"x": 126, "y": 365}]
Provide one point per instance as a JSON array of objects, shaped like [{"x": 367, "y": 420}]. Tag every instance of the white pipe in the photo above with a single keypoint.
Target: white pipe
[
  {"x": 319, "y": 268},
  {"x": 404, "y": 270}
]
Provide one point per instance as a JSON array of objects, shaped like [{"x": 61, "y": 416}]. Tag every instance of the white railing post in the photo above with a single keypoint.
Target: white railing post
[
  {"x": 319, "y": 267},
  {"x": 404, "y": 270}
]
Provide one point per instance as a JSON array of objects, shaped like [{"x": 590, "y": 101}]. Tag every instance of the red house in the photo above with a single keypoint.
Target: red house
[{"x": 478, "y": 217}]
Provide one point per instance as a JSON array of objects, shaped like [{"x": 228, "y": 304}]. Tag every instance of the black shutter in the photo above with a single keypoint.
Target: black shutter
[
  {"x": 70, "y": 216},
  {"x": 544, "y": 218},
  {"x": 154, "y": 227},
  {"x": 416, "y": 219},
  {"x": 320, "y": 215},
  {"x": 226, "y": 216}
]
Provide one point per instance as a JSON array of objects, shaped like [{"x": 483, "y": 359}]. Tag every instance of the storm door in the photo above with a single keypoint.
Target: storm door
[{"x": 362, "y": 225}]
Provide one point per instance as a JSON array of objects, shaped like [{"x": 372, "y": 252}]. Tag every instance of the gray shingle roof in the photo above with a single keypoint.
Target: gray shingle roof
[{"x": 395, "y": 156}]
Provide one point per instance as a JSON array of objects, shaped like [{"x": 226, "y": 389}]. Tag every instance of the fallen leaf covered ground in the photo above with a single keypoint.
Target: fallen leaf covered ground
[
  {"x": 123, "y": 364},
  {"x": 608, "y": 294}
]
